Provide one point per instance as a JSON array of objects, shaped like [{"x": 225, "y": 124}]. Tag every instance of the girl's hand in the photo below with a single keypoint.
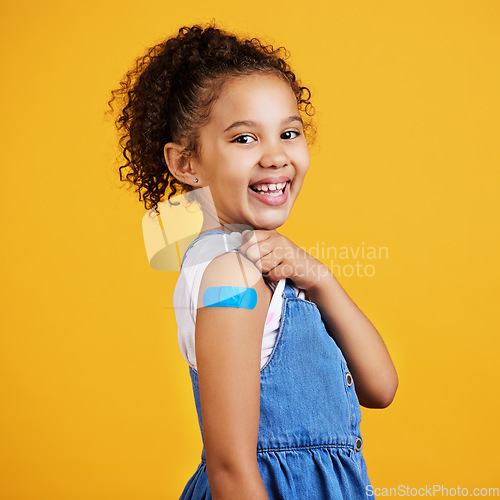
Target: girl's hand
[{"x": 277, "y": 257}]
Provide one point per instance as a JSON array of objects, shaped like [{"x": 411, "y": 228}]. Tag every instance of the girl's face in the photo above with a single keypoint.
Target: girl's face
[{"x": 254, "y": 154}]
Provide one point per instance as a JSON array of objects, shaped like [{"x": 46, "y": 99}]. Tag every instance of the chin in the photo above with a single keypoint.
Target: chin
[{"x": 270, "y": 224}]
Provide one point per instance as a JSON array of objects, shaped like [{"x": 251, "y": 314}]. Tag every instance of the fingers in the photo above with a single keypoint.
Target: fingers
[
  {"x": 267, "y": 263},
  {"x": 277, "y": 273},
  {"x": 258, "y": 251},
  {"x": 249, "y": 238},
  {"x": 259, "y": 241},
  {"x": 262, "y": 248}
]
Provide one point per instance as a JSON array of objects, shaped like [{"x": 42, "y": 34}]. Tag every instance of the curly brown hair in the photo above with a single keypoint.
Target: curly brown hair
[{"x": 168, "y": 96}]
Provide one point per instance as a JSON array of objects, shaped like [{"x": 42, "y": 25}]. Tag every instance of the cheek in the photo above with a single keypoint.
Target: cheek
[
  {"x": 234, "y": 186},
  {"x": 306, "y": 166},
  {"x": 304, "y": 162}
]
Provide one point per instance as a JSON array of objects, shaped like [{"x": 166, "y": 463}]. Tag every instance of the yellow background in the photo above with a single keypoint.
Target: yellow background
[{"x": 96, "y": 398}]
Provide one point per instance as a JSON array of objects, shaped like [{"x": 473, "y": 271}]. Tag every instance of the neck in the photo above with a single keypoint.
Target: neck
[
  {"x": 210, "y": 223},
  {"x": 225, "y": 226}
]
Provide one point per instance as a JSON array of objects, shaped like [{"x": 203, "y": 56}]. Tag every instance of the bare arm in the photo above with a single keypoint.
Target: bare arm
[
  {"x": 369, "y": 361},
  {"x": 228, "y": 352}
]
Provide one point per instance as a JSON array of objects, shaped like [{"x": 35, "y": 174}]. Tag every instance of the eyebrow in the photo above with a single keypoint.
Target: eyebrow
[{"x": 249, "y": 123}]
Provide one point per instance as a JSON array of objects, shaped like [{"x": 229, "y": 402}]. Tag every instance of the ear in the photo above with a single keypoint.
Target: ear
[{"x": 179, "y": 163}]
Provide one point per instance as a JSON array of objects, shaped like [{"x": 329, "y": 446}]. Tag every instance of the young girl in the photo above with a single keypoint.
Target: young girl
[{"x": 278, "y": 353}]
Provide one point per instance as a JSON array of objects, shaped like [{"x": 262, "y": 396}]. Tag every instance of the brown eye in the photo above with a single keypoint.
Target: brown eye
[
  {"x": 291, "y": 132},
  {"x": 241, "y": 137}
]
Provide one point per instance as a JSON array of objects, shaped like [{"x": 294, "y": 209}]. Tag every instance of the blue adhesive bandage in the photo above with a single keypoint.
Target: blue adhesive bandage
[{"x": 230, "y": 296}]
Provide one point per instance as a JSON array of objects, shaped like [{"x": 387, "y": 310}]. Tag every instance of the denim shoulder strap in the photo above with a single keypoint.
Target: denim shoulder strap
[{"x": 288, "y": 291}]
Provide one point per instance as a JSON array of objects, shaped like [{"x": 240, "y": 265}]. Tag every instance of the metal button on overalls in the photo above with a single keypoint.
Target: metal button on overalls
[
  {"x": 359, "y": 444},
  {"x": 349, "y": 379}
]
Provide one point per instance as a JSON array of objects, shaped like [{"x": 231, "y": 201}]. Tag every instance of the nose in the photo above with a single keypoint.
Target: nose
[{"x": 274, "y": 155}]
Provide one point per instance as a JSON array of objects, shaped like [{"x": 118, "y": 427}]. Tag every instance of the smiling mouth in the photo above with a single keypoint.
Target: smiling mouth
[
  {"x": 272, "y": 190},
  {"x": 272, "y": 195}
]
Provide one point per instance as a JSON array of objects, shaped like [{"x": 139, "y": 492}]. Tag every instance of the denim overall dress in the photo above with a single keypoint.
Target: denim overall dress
[{"x": 309, "y": 442}]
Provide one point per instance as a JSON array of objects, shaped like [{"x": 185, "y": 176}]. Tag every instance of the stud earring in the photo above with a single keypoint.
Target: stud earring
[{"x": 195, "y": 180}]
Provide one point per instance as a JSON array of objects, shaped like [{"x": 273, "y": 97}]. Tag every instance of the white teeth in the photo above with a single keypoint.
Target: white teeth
[{"x": 271, "y": 187}]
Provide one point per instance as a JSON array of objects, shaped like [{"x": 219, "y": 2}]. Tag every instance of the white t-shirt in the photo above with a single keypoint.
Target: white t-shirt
[{"x": 195, "y": 261}]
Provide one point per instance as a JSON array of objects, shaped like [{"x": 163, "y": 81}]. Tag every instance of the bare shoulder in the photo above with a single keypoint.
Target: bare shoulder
[{"x": 234, "y": 269}]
